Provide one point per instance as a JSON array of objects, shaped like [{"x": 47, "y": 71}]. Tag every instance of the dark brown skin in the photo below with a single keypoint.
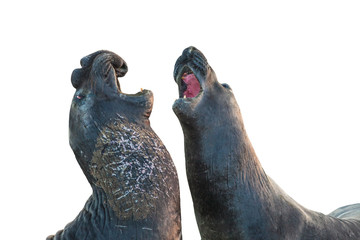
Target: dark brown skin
[
  {"x": 232, "y": 195},
  {"x": 134, "y": 181}
]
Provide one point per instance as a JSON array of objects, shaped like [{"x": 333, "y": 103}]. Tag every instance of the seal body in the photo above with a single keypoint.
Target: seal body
[
  {"x": 134, "y": 181},
  {"x": 232, "y": 195}
]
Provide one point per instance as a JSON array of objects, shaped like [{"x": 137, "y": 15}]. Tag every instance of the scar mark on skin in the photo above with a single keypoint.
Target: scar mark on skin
[{"x": 129, "y": 164}]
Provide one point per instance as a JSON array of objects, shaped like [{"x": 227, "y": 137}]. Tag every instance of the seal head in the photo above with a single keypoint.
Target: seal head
[{"x": 198, "y": 87}]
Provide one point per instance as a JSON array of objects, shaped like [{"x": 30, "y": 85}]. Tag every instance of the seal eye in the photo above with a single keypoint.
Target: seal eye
[
  {"x": 80, "y": 96},
  {"x": 225, "y": 85}
]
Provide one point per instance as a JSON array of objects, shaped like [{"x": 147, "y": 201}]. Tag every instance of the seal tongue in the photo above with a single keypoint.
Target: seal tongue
[{"x": 192, "y": 85}]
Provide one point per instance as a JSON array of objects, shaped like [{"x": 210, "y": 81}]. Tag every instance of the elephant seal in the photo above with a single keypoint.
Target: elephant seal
[
  {"x": 134, "y": 181},
  {"x": 232, "y": 195}
]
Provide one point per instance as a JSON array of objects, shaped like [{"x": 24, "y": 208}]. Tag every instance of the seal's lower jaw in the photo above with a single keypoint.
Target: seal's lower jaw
[
  {"x": 143, "y": 99},
  {"x": 184, "y": 108}
]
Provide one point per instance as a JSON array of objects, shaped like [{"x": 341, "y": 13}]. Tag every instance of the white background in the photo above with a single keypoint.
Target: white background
[{"x": 294, "y": 68}]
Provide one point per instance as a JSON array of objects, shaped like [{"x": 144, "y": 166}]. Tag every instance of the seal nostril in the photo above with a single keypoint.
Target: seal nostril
[
  {"x": 84, "y": 62},
  {"x": 188, "y": 51},
  {"x": 77, "y": 77},
  {"x": 191, "y": 49}
]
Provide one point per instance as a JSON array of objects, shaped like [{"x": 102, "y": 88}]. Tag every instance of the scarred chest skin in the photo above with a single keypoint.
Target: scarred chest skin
[{"x": 131, "y": 165}]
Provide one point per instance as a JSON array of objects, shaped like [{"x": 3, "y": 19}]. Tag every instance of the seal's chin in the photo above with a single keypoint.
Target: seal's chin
[{"x": 188, "y": 83}]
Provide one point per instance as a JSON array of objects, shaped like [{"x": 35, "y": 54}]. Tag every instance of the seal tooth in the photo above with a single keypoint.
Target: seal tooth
[{"x": 184, "y": 96}]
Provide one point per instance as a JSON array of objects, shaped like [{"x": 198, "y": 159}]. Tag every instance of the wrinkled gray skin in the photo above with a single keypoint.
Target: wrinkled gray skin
[
  {"x": 134, "y": 181},
  {"x": 232, "y": 195}
]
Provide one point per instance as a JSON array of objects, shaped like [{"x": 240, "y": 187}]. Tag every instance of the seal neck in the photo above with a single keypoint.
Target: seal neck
[
  {"x": 223, "y": 150},
  {"x": 225, "y": 175}
]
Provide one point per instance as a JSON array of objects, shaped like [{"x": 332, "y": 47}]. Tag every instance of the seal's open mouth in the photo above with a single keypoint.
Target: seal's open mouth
[
  {"x": 121, "y": 73},
  {"x": 189, "y": 85}
]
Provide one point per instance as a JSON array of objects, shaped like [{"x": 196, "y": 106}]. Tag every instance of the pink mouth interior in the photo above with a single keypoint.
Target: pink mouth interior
[{"x": 192, "y": 85}]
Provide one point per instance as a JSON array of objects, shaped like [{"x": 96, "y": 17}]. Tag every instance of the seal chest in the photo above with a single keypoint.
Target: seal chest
[{"x": 128, "y": 164}]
